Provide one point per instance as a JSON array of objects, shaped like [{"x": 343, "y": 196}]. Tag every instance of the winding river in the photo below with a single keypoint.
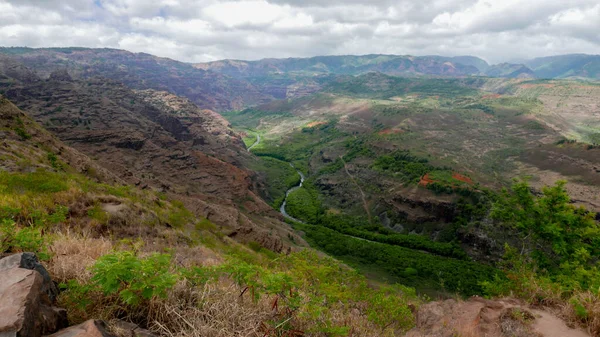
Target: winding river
[
  {"x": 287, "y": 193},
  {"x": 255, "y": 143}
]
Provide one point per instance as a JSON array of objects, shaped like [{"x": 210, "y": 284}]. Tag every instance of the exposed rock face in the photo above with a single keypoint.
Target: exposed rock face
[
  {"x": 154, "y": 140},
  {"x": 61, "y": 75},
  {"x": 480, "y": 317},
  {"x": 26, "y": 308},
  {"x": 206, "y": 130},
  {"x": 12, "y": 146},
  {"x": 207, "y": 89}
]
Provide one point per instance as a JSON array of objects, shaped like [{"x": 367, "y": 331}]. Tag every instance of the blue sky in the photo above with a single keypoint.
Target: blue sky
[{"x": 206, "y": 30}]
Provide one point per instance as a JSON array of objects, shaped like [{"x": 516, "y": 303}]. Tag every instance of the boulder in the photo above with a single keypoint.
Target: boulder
[
  {"x": 26, "y": 308},
  {"x": 91, "y": 328},
  {"x": 30, "y": 261}
]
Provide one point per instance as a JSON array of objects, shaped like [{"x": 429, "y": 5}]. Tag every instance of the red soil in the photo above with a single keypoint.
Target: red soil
[
  {"x": 313, "y": 124},
  {"x": 491, "y": 96},
  {"x": 462, "y": 178},
  {"x": 529, "y": 86},
  {"x": 426, "y": 180},
  {"x": 390, "y": 132}
]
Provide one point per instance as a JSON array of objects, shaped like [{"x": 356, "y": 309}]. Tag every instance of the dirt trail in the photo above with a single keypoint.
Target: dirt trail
[
  {"x": 549, "y": 325},
  {"x": 489, "y": 318},
  {"x": 362, "y": 194}
]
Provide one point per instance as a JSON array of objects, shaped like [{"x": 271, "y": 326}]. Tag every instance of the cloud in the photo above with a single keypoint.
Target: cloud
[{"x": 205, "y": 30}]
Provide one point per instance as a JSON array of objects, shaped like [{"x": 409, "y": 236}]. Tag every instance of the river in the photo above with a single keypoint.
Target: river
[
  {"x": 255, "y": 143},
  {"x": 282, "y": 208},
  {"x": 287, "y": 193}
]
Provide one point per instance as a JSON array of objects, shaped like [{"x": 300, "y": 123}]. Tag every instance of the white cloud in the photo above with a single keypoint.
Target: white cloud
[
  {"x": 240, "y": 13},
  {"x": 203, "y": 30}
]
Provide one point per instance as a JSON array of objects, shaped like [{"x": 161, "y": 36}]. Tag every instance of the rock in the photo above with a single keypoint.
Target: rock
[
  {"x": 31, "y": 262},
  {"x": 26, "y": 309},
  {"x": 91, "y": 328},
  {"x": 481, "y": 317},
  {"x": 130, "y": 329}
]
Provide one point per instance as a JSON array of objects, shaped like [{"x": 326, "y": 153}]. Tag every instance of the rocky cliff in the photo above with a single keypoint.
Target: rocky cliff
[{"x": 154, "y": 140}]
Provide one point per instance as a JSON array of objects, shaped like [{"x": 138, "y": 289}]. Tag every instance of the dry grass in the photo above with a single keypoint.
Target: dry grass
[
  {"x": 74, "y": 253},
  {"x": 214, "y": 310},
  {"x": 583, "y": 309},
  {"x": 218, "y": 310}
]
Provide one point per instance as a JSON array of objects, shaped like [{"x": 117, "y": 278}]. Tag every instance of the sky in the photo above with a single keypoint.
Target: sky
[{"x": 208, "y": 30}]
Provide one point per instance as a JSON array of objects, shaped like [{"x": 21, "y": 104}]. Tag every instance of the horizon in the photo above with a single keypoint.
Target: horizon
[
  {"x": 197, "y": 31},
  {"x": 306, "y": 57}
]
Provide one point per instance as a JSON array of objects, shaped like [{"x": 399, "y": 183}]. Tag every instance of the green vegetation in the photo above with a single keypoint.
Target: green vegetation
[
  {"x": 133, "y": 279},
  {"x": 15, "y": 239},
  {"x": 297, "y": 292},
  {"x": 303, "y": 203},
  {"x": 36, "y": 182},
  {"x": 556, "y": 262},
  {"x": 408, "y": 167},
  {"x": 353, "y": 226},
  {"x": 20, "y": 130},
  {"x": 558, "y": 238},
  {"x": 432, "y": 272},
  {"x": 279, "y": 175},
  {"x": 303, "y": 287},
  {"x": 301, "y": 145}
]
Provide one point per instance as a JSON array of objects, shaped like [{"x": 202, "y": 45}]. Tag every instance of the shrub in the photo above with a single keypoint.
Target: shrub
[
  {"x": 27, "y": 239},
  {"x": 556, "y": 236},
  {"x": 134, "y": 279}
]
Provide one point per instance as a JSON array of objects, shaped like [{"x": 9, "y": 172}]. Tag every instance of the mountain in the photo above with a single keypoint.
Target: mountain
[
  {"x": 349, "y": 65},
  {"x": 509, "y": 70},
  {"x": 147, "y": 206},
  {"x": 566, "y": 66},
  {"x": 562, "y": 66},
  {"x": 153, "y": 140},
  {"x": 209, "y": 90}
]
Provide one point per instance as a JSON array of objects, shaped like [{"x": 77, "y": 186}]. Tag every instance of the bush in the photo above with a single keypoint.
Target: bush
[
  {"x": 28, "y": 239},
  {"x": 556, "y": 236},
  {"x": 134, "y": 279}
]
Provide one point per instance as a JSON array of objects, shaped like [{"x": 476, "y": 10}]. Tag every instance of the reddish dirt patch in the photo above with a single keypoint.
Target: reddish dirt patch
[
  {"x": 313, "y": 124},
  {"x": 529, "y": 86},
  {"x": 426, "y": 180},
  {"x": 462, "y": 178},
  {"x": 491, "y": 96},
  {"x": 389, "y": 132}
]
